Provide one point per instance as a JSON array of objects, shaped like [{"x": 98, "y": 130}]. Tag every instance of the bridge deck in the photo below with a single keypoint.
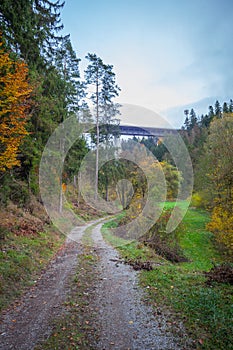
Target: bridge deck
[{"x": 145, "y": 131}]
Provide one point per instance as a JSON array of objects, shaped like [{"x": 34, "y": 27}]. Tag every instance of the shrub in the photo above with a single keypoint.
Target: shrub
[
  {"x": 164, "y": 244},
  {"x": 221, "y": 225},
  {"x": 199, "y": 200}
]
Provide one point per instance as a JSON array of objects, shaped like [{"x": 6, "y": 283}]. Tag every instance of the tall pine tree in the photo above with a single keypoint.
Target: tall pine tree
[{"x": 102, "y": 79}]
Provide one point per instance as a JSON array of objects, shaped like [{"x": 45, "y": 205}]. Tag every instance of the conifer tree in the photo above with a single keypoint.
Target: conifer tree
[
  {"x": 225, "y": 108},
  {"x": 101, "y": 77},
  {"x": 193, "y": 118},
  {"x": 217, "y": 109},
  {"x": 231, "y": 106},
  {"x": 211, "y": 111},
  {"x": 67, "y": 64},
  {"x": 31, "y": 28}
]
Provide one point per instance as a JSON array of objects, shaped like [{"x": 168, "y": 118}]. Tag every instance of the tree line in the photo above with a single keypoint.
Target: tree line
[
  {"x": 209, "y": 139},
  {"x": 41, "y": 86}
]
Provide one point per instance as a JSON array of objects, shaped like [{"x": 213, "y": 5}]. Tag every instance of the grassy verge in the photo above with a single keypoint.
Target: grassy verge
[
  {"x": 74, "y": 329},
  {"x": 21, "y": 260},
  {"x": 128, "y": 249},
  {"x": 206, "y": 311}
]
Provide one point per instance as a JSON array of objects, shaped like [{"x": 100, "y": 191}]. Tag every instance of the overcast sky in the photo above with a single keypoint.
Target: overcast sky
[{"x": 166, "y": 54}]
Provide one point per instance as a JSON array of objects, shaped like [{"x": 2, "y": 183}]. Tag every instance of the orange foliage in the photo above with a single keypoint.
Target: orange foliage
[
  {"x": 14, "y": 93},
  {"x": 64, "y": 186}
]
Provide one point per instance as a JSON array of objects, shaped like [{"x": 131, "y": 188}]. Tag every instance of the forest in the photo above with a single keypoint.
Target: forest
[{"x": 40, "y": 87}]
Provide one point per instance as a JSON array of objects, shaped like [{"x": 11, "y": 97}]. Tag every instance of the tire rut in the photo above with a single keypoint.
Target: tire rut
[
  {"x": 124, "y": 320},
  {"x": 29, "y": 320}
]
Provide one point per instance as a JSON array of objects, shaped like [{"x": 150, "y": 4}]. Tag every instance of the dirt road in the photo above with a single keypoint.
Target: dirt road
[
  {"x": 29, "y": 320},
  {"x": 124, "y": 321}
]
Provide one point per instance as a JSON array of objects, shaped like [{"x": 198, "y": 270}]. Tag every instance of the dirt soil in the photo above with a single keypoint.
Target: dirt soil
[{"x": 124, "y": 320}]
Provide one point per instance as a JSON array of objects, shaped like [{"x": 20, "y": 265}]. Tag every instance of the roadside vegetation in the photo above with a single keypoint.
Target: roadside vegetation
[
  {"x": 27, "y": 245},
  {"x": 186, "y": 288},
  {"x": 22, "y": 260},
  {"x": 28, "y": 241}
]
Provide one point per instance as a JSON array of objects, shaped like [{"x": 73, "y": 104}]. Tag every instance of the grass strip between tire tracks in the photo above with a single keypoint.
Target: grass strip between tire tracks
[{"x": 74, "y": 330}]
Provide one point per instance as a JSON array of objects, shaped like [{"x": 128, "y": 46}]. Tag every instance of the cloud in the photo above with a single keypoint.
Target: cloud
[
  {"x": 165, "y": 54},
  {"x": 141, "y": 116}
]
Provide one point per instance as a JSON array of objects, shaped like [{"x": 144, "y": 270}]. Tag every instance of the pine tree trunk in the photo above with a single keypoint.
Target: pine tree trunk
[
  {"x": 97, "y": 139},
  {"x": 62, "y": 151}
]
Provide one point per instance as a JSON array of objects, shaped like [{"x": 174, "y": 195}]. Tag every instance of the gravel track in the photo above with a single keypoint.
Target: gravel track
[
  {"x": 29, "y": 320},
  {"x": 123, "y": 321}
]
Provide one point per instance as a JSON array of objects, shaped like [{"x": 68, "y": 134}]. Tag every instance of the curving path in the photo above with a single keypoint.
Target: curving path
[{"x": 123, "y": 321}]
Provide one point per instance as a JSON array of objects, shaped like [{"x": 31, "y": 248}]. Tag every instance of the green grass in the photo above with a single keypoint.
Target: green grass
[
  {"x": 129, "y": 249},
  {"x": 198, "y": 243},
  {"x": 21, "y": 259},
  {"x": 206, "y": 311},
  {"x": 180, "y": 204}
]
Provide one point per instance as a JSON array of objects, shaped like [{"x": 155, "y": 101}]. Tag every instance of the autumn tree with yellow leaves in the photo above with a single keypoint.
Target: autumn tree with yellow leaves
[
  {"x": 219, "y": 157},
  {"x": 14, "y": 93}
]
